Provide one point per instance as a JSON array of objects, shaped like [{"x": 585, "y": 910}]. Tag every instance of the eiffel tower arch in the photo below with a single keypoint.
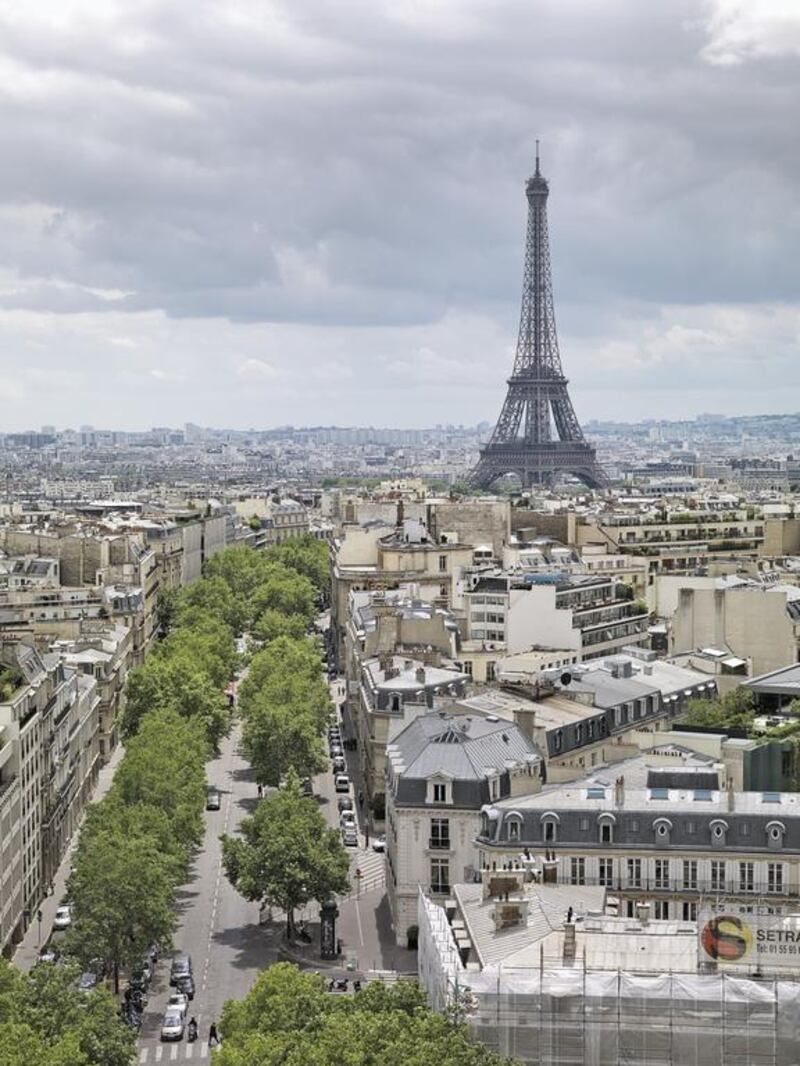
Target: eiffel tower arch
[{"x": 523, "y": 441}]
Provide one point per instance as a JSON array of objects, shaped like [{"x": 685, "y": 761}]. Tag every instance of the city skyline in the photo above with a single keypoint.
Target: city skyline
[{"x": 262, "y": 215}]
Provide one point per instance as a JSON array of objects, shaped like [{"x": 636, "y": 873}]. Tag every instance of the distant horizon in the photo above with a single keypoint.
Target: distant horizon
[{"x": 701, "y": 418}]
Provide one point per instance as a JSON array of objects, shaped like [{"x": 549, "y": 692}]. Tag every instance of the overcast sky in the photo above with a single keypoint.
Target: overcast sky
[{"x": 253, "y": 212}]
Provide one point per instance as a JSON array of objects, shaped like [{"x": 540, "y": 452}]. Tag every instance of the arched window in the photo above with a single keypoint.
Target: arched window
[
  {"x": 514, "y": 830},
  {"x": 605, "y": 828},
  {"x": 549, "y": 822}
]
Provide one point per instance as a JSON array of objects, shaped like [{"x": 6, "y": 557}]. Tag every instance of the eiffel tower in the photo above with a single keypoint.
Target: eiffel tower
[{"x": 522, "y": 442}]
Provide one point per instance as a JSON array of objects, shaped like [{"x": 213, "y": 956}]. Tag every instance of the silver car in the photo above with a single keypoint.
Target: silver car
[{"x": 172, "y": 1027}]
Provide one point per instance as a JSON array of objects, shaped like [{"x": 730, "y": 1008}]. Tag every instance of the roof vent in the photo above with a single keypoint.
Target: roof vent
[{"x": 492, "y": 718}]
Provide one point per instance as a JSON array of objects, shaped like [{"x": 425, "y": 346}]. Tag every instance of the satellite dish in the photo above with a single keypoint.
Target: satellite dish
[{"x": 565, "y": 678}]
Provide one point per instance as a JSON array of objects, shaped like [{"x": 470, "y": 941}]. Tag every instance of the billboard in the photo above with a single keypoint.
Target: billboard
[{"x": 743, "y": 938}]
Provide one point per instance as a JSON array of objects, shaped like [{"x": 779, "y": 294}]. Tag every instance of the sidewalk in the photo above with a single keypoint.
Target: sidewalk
[{"x": 27, "y": 951}]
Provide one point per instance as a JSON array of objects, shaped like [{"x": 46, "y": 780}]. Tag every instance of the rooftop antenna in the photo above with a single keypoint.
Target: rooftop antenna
[{"x": 537, "y": 158}]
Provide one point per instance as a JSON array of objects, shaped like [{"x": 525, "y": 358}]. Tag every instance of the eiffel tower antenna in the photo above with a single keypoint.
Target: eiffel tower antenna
[{"x": 537, "y": 400}]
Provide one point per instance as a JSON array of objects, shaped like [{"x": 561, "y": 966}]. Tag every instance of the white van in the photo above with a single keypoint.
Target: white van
[{"x": 342, "y": 783}]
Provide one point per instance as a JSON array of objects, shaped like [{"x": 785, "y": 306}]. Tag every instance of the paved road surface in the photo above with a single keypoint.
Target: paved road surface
[{"x": 217, "y": 927}]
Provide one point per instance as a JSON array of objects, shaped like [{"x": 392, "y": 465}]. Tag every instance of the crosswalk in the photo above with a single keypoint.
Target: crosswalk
[
  {"x": 371, "y": 865},
  {"x": 178, "y": 1052}
]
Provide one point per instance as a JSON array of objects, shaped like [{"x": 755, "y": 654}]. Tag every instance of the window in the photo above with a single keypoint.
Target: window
[
  {"x": 577, "y": 870},
  {"x": 662, "y": 873},
  {"x": 606, "y": 832},
  {"x": 717, "y": 876},
  {"x": 661, "y": 912},
  {"x": 550, "y": 831},
  {"x": 442, "y": 564},
  {"x": 659, "y": 793},
  {"x": 746, "y": 877},
  {"x": 634, "y": 873},
  {"x": 440, "y": 832},
  {"x": 595, "y": 792},
  {"x": 468, "y": 667},
  {"x": 440, "y": 793},
  {"x": 690, "y": 873},
  {"x": 490, "y": 671},
  {"x": 703, "y": 794},
  {"x": 583, "y": 824},
  {"x": 770, "y": 797},
  {"x": 606, "y": 874},
  {"x": 689, "y": 911},
  {"x": 513, "y": 829},
  {"x": 558, "y": 740},
  {"x": 774, "y": 877},
  {"x": 440, "y": 875},
  {"x": 691, "y": 828}
]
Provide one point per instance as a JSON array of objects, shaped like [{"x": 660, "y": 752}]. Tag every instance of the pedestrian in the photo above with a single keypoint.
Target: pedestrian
[
  {"x": 212, "y": 1035},
  {"x": 360, "y": 798},
  {"x": 260, "y": 791}
]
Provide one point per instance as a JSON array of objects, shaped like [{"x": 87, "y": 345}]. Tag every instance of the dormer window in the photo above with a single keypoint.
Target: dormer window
[
  {"x": 439, "y": 792},
  {"x": 550, "y": 822},
  {"x": 605, "y": 828},
  {"x": 514, "y": 823},
  {"x": 719, "y": 832},
  {"x": 662, "y": 827},
  {"x": 775, "y": 834}
]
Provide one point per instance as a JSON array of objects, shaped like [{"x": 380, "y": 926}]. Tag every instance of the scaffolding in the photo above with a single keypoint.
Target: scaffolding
[{"x": 567, "y": 1016}]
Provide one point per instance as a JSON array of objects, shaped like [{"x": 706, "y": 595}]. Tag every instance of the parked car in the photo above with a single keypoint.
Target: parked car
[
  {"x": 344, "y": 803},
  {"x": 308, "y": 787},
  {"x": 48, "y": 954},
  {"x": 173, "y": 1025},
  {"x": 178, "y": 1001},
  {"x": 379, "y": 844},
  {"x": 350, "y": 836},
  {"x": 339, "y": 765},
  {"x": 181, "y": 967},
  {"x": 341, "y": 783},
  {"x": 63, "y": 918},
  {"x": 87, "y": 981},
  {"x": 138, "y": 981},
  {"x": 347, "y": 818},
  {"x": 185, "y": 984},
  {"x": 213, "y": 800},
  {"x": 334, "y": 733}
]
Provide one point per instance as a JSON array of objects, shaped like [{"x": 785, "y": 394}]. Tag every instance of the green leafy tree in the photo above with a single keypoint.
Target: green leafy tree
[
  {"x": 288, "y": 1019},
  {"x": 164, "y": 766},
  {"x": 307, "y": 556},
  {"x": 288, "y": 666},
  {"x": 122, "y": 888},
  {"x": 166, "y": 610},
  {"x": 283, "y": 589},
  {"x": 735, "y": 710},
  {"x": 272, "y": 624},
  {"x": 277, "y": 737},
  {"x": 240, "y": 568},
  {"x": 55, "y": 1024},
  {"x": 175, "y": 683},
  {"x": 215, "y": 597},
  {"x": 286, "y": 854},
  {"x": 205, "y": 638}
]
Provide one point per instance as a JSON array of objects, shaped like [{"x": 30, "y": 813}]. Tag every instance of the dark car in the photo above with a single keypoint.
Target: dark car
[
  {"x": 213, "y": 800},
  {"x": 185, "y": 984},
  {"x": 138, "y": 980},
  {"x": 344, "y": 803},
  {"x": 181, "y": 967}
]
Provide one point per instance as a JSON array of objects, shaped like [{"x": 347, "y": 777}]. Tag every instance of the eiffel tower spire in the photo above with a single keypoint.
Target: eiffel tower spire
[{"x": 537, "y": 401}]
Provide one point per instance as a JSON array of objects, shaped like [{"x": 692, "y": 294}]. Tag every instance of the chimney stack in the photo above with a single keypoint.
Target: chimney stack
[
  {"x": 421, "y": 675},
  {"x": 731, "y": 795},
  {"x": 569, "y": 942},
  {"x": 643, "y": 911},
  {"x": 619, "y": 791}
]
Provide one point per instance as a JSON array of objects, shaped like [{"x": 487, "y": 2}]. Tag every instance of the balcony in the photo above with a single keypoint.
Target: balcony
[
  {"x": 729, "y": 886},
  {"x": 439, "y": 843}
]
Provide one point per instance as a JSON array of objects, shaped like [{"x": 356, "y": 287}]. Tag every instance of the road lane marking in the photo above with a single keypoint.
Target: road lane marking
[
  {"x": 358, "y": 920},
  {"x": 174, "y": 1052},
  {"x": 143, "y": 1054},
  {"x": 204, "y": 1049},
  {"x": 189, "y": 1050},
  {"x": 159, "y": 1053}
]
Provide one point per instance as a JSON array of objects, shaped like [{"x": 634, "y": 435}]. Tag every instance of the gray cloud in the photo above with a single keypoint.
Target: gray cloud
[{"x": 325, "y": 186}]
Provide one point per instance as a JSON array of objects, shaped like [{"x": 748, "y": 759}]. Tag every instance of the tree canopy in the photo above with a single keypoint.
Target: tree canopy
[
  {"x": 46, "y": 1021},
  {"x": 286, "y": 854},
  {"x": 289, "y": 1019},
  {"x": 734, "y": 710}
]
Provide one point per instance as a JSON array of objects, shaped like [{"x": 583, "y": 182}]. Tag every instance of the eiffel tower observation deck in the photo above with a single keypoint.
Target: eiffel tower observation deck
[{"x": 537, "y": 402}]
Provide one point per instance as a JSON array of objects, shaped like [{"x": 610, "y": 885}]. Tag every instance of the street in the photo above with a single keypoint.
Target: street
[{"x": 217, "y": 927}]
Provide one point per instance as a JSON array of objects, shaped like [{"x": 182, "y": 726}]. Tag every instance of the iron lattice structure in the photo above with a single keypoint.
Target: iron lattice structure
[{"x": 523, "y": 442}]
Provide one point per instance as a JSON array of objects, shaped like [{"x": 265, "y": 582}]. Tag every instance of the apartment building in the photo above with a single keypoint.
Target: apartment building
[
  {"x": 48, "y": 762},
  {"x": 664, "y": 827},
  {"x": 382, "y": 557},
  {"x": 590, "y": 615},
  {"x": 102, "y": 651},
  {"x": 440, "y": 771}
]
